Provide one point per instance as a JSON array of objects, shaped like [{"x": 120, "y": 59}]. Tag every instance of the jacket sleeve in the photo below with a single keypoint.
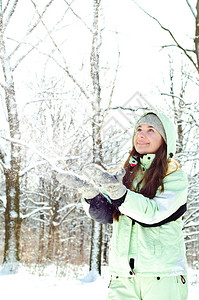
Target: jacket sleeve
[
  {"x": 101, "y": 208},
  {"x": 162, "y": 206}
]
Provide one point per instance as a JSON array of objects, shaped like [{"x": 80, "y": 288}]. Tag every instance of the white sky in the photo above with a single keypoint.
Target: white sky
[
  {"x": 143, "y": 64},
  {"x": 143, "y": 67}
]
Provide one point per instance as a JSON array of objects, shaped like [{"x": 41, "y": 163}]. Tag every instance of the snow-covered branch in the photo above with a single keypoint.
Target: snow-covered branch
[
  {"x": 38, "y": 195},
  {"x": 77, "y": 16},
  {"x": 129, "y": 108},
  {"x": 34, "y": 150},
  {"x": 191, "y": 8},
  {"x": 35, "y": 211},
  {"x": 175, "y": 96},
  {"x": 63, "y": 65},
  {"x": 172, "y": 36},
  {"x": 11, "y": 12},
  {"x": 29, "y": 168}
]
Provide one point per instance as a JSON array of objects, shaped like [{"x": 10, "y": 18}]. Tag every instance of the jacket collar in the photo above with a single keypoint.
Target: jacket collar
[{"x": 145, "y": 160}]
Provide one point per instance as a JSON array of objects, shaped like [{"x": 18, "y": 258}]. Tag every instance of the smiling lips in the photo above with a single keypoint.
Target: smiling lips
[{"x": 142, "y": 143}]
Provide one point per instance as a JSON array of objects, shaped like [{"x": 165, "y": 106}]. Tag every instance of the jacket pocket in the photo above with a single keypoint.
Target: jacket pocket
[
  {"x": 113, "y": 281},
  {"x": 182, "y": 285}
]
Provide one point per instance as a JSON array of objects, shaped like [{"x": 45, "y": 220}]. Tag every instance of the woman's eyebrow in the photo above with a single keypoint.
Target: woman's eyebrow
[{"x": 150, "y": 126}]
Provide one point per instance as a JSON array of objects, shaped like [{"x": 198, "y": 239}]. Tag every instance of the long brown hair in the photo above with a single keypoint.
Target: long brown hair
[{"x": 152, "y": 178}]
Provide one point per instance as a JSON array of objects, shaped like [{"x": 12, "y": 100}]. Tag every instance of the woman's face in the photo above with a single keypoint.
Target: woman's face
[{"x": 147, "y": 139}]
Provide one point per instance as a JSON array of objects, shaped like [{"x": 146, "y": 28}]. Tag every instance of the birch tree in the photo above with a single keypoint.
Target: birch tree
[
  {"x": 11, "y": 170},
  {"x": 9, "y": 63},
  {"x": 96, "y": 238}
]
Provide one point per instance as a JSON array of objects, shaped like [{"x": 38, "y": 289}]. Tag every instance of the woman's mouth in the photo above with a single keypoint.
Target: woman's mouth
[{"x": 142, "y": 143}]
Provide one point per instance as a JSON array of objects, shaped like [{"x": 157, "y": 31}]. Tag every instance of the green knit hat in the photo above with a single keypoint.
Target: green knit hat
[{"x": 153, "y": 120}]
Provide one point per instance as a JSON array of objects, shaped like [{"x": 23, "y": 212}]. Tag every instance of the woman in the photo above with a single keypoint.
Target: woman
[{"x": 145, "y": 203}]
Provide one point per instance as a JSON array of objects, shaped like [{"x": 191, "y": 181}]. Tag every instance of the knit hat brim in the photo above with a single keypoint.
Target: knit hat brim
[{"x": 153, "y": 120}]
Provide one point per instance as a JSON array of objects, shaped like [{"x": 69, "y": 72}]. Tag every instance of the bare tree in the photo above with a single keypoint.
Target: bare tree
[
  {"x": 96, "y": 238},
  {"x": 191, "y": 54},
  {"x": 12, "y": 167},
  {"x": 196, "y": 40},
  {"x": 12, "y": 213}
]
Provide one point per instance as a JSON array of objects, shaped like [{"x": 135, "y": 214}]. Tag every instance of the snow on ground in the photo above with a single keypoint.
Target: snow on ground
[{"x": 24, "y": 285}]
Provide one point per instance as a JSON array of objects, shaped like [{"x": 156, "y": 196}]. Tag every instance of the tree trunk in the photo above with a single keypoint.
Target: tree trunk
[
  {"x": 197, "y": 34},
  {"x": 96, "y": 245},
  {"x": 12, "y": 213},
  {"x": 53, "y": 237},
  {"x": 96, "y": 236},
  {"x": 12, "y": 222},
  {"x": 41, "y": 246}
]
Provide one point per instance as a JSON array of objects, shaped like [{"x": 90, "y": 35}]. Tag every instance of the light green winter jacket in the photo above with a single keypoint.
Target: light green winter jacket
[{"x": 154, "y": 250}]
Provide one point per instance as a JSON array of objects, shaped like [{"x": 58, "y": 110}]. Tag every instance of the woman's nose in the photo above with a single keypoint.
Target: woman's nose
[{"x": 141, "y": 133}]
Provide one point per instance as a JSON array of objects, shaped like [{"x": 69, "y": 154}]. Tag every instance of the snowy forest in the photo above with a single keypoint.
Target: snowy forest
[{"x": 74, "y": 77}]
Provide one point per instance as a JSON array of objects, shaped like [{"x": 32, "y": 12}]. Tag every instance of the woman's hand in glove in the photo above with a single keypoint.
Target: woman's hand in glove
[{"x": 111, "y": 183}]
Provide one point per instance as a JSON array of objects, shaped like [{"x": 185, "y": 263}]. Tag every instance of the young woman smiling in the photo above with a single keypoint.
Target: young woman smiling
[{"x": 145, "y": 201}]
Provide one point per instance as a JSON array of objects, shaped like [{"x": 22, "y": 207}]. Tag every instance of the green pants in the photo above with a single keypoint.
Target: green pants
[{"x": 148, "y": 288}]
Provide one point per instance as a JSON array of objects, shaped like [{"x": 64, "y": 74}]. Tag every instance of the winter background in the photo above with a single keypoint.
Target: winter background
[{"x": 140, "y": 66}]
